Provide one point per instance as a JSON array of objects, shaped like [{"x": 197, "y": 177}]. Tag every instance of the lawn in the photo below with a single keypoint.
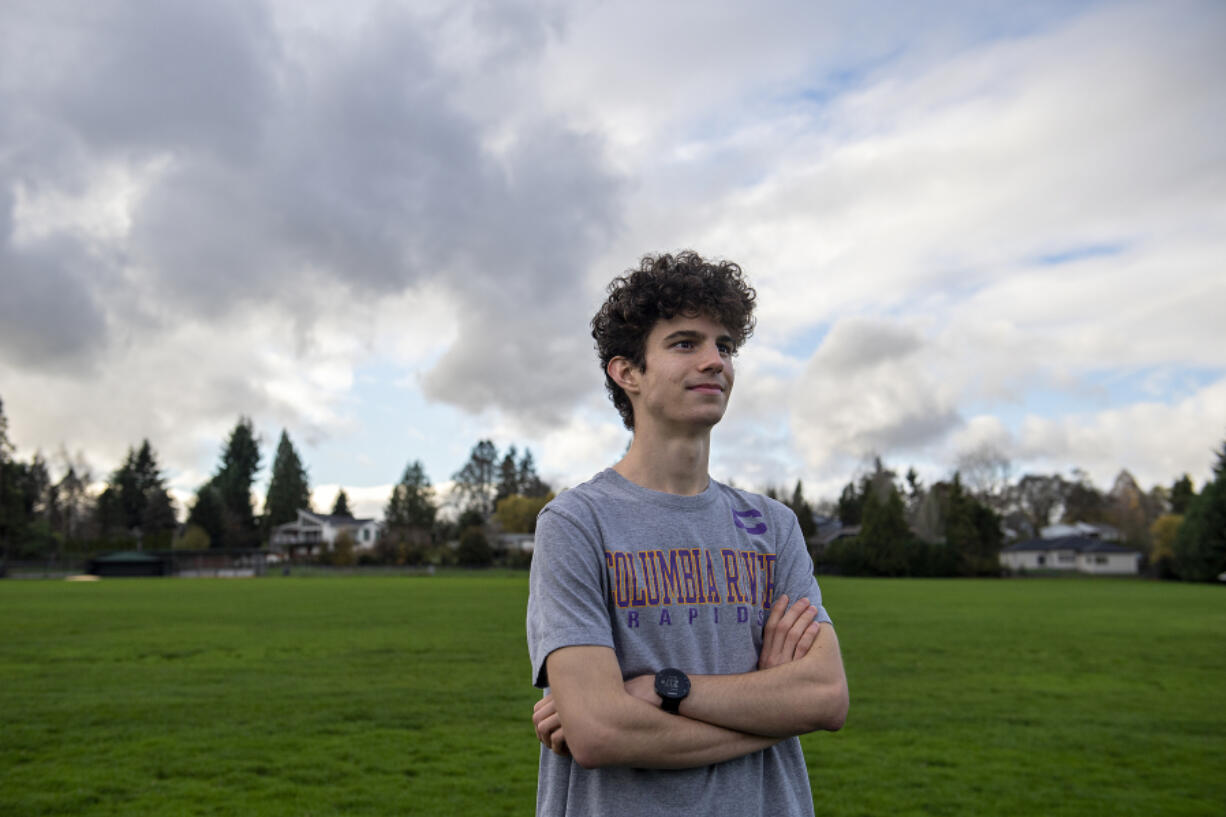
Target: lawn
[{"x": 411, "y": 695}]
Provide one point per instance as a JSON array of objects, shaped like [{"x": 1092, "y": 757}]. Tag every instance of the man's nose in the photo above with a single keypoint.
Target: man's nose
[{"x": 712, "y": 360}]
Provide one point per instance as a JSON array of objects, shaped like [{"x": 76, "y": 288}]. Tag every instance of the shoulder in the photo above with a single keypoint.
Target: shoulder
[
  {"x": 749, "y": 499},
  {"x": 752, "y": 509},
  {"x": 583, "y": 503}
]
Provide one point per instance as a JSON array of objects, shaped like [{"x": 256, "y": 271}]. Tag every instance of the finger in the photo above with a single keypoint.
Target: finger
[
  {"x": 783, "y": 650},
  {"x": 794, "y": 612},
  {"x": 777, "y": 610},
  {"x": 546, "y": 728},
  {"x": 775, "y": 622},
  {"x": 558, "y": 745},
  {"x": 807, "y": 639},
  {"x": 544, "y": 705},
  {"x": 797, "y": 630},
  {"x": 771, "y": 650},
  {"x": 543, "y": 713}
]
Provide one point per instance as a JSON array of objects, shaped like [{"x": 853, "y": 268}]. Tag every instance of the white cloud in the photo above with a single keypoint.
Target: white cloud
[
  {"x": 365, "y": 501},
  {"x": 971, "y": 208},
  {"x": 867, "y": 390},
  {"x": 1157, "y": 442}
]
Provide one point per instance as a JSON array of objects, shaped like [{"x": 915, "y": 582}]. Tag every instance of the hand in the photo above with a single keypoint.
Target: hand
[
  {"x": 643, "y": 687},
  {"x": 789, "y": 632},
  {"x": 549, "y": 726}
]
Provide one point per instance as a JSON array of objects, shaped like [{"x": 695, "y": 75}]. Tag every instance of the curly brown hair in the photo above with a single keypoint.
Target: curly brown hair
[{"x": 663, "y": 287}]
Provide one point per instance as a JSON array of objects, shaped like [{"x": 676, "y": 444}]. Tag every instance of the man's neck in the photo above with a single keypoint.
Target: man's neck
[{"x": 673, "y": 465}]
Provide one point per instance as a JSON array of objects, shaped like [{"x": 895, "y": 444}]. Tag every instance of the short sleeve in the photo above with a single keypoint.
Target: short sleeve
[
  {"x": 566, "y": 598},
  {"x": 795, "y": 575}
]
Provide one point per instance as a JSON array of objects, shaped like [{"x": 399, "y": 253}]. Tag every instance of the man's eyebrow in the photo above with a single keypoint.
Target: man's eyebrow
[{"x": 694, "y": 334}]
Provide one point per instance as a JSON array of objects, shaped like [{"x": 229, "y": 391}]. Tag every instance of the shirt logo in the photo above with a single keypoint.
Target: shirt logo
[{"x": 755, "y": 529}]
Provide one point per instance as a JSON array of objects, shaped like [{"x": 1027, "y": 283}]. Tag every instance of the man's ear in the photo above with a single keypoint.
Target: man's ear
[{"x": 624, "y": 374}]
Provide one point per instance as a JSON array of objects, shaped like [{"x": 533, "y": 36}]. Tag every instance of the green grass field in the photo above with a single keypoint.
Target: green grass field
[{"x": 395, "y": 696}]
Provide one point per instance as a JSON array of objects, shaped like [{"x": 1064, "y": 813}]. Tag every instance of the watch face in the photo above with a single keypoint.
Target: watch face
[{"x": 672, "y": 683}]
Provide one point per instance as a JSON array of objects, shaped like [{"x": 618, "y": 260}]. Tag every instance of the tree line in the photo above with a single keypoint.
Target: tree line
[
  {"x": 41, "y": 518},
  {"x": 899, "y": 526},
  {"x": 957, "y": 527}
]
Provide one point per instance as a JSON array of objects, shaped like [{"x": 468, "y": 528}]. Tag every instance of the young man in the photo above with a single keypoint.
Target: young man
[{"x": 676, "y": 622}]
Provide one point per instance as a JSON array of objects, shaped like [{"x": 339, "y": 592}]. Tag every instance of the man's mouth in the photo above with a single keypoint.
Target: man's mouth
[{"x": 708, "y": 388}]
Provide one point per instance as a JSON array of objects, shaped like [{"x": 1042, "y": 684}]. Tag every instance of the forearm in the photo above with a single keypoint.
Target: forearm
[
  {"x": 639, "y": 735},
  {"x": 591, "y": 715},
  {"x": 791, "y": 699}
]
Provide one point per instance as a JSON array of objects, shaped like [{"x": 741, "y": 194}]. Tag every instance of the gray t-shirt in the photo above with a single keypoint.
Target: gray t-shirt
[{"x": 667, "y": 581}]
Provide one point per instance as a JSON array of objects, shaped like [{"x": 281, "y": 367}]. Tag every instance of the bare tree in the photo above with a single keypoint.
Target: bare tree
[
  {"x": 985, "y": 471},
  {"x": 1039, "y": 497}
]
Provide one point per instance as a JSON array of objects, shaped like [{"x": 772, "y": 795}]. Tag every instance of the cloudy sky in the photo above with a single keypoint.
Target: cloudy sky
[{"x": 385, "y": 226}]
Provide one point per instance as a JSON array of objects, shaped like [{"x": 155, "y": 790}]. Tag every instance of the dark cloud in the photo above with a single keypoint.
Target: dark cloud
[
  {"x": 50, "y": 318},
  {"x": 272, "y": 170},
  {"x": 130, "y": 78},
  {"x": 859, "y": 342},
  {"x": 869, "y": 389}
]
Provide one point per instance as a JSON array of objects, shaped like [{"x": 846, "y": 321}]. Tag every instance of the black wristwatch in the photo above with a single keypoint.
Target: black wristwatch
[{"x": 672, "y": 685}]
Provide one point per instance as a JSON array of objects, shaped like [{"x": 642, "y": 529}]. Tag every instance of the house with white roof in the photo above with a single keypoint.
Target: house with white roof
[{"x": 311, "y": 531}]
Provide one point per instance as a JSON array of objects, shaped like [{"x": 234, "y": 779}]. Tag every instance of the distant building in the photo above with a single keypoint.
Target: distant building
[
  {"x": 312, "y": 531},
  {"x": 1094, "y": 530},
  {"x": 130, "y": 563},
  {"x": 517, "y": 542},
  {"x": 830, "y": 528},
  {"x": 1077, "y": 552}
]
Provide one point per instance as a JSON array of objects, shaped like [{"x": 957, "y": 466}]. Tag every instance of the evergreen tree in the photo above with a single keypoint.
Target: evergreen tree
[
  {"x": 288, "y": 488},
  {"x": 136, "y": 503},
  {"x": 408, "y": 518},
  {"x": 24, "y": 487},
  {"x": 129, "y": 499},
  {"x": 850, "y": 508},
  {"x": 223, "y": 506},
  {"x": 972, "y": 533},
  {"x": 530, "y": 483},
  {"x": 108, "y": 515},
  {"x": 803, "y": 511},
  {"x": 474, "y": 483},
  {"x": 159, "y": 521},
  {"x": 240, "y": 460},
  {"x": 508, "y": 477},
  {"x": 885, "y": 535},
  {"x": 208, "y": 513},
  {"x": 1182, "y": 494},
  {"x": 411, "y": 505},
  {"x": 1200, "y": 545},
  {"x": 341, "y": 506}
]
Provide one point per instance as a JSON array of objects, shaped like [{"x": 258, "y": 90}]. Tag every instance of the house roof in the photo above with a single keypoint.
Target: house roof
[
  {"x": 1094, "y": 529},
  {"x": 1078, "y": 544},
  {"x": 337, "y": 520}
]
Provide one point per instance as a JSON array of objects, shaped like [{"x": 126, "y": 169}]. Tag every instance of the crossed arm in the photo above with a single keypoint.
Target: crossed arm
[{"x": 602, "y": 720}]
